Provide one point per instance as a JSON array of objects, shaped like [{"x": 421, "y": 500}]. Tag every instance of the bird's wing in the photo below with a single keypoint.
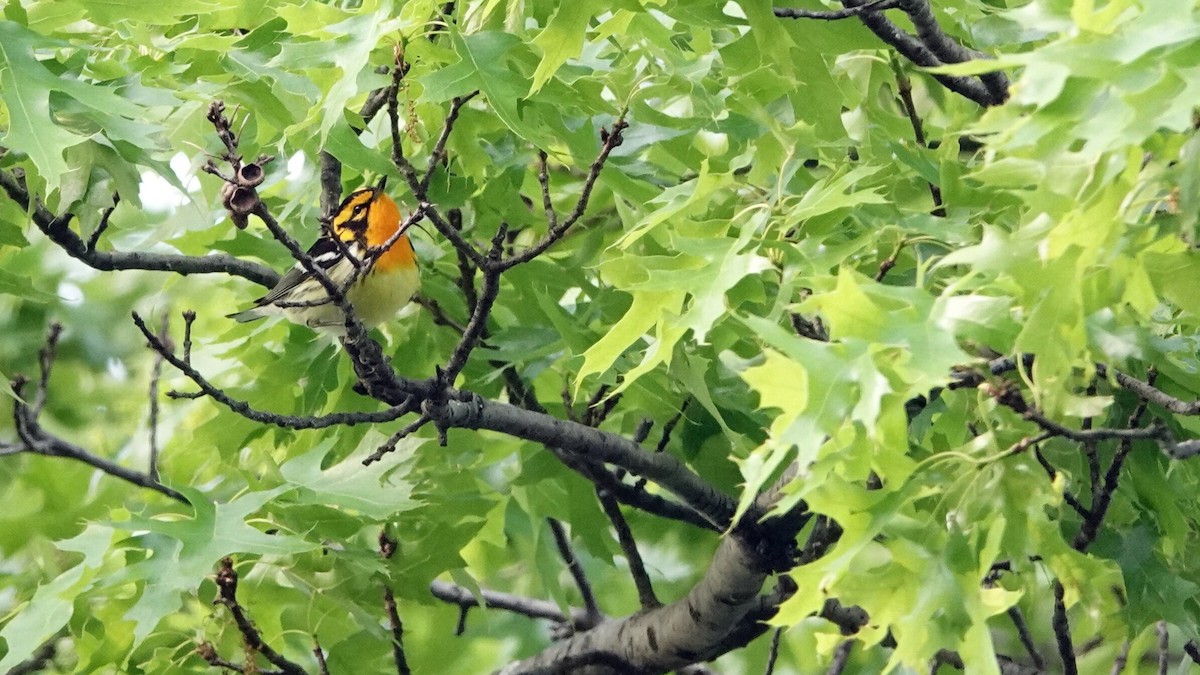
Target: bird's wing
[{"x": 327, "y": 255}]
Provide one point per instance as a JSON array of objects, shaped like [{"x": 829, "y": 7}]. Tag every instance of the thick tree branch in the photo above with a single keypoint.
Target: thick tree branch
[
  {"x": 595, "y": 444},
  {"x": 720, "y": 610},
  {"x": 672, "y": 636},
  {"x": 949, "y": 51},
  {"x": 873, "y": 6},
  {"x": 922, "y": 54}
]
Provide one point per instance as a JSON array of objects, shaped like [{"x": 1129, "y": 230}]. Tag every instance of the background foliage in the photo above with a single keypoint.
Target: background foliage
[{"x": 770, "y": 177}]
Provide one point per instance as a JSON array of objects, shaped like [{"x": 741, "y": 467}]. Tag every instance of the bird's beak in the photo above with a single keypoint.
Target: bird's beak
[{"x": 378, "y": 190}]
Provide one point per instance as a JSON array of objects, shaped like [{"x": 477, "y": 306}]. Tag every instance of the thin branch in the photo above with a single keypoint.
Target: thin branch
[
  {"x": 155, "y": 374},
  {"x": 1010, "y": 397},
  {"x": 415, "y": 183},
  {"x": 663, "y": 468},
  {"x": 773, "y": 651},
  {"x": 535, "y": 609},
  {"x": 904, "y": 90},
  {"x": 209, "y": 653},
  {"x": 466, "y": 264},
  {"x": 57, "y": 230},
  {"x": 1062, "y": 632},
  {"x": 319, "y": 655},
  {"x": 544, "y": 182},
  {"x": 834, "y": 15},
  {"x": 36, "y": 440},
  {"x": 633, "y": 495},
  {"x": 669, "y": 427},
  {"x": 387, "y": 548},
  {"x": 41, "y": 443},
  {"x": 637, "y": 568},
  {"x": 390, "y": 444},
  {"x": 1121, "y": 659},
  {"x": 105, "y": 215},
  {"x": 46, "y": 356},
  {"x": 438, "y": 154},
  {"x": 563, "y": 543},
  {"x": 609, "y": 142},
  {"x": 1192, "y": 649},
  {"x": 1164, "y": 647},
  {"x": 476, "y": 326},
  {"x": 41, "y": 657},
  {"x": 841, "y": 658},
  {"x": 245, "y": 410},
  {"x": 1018, "y": 620},
  {"x": 1101, "y": 501},
  {"x": 227, "y": 585},
  {"x": 1068, "y": 496},
  {"x": 1147, "y": 391},
  {"x": 439, "y": 314}
]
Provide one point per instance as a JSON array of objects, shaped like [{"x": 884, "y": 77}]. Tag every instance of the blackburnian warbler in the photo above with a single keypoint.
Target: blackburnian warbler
[{"x": 376, "y": 269}]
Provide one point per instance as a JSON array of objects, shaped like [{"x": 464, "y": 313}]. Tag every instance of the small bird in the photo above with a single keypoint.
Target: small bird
[{"x": 382, "y": 282}]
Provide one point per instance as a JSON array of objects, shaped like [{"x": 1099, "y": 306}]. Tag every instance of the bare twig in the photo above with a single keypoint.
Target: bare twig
[
  {"x": 438, "y": 154},
  {"x": 1102, "y": 500},
  {"x": 105, "y": 215},
  {"x": 387, "y": 548},
  {"x": 1192, "y": 649},
  {"x": 904, "y": 90},
  {"x": 1010, "y": 397},
  {"x": 34, "y": 439},
  {"x": 609, "y": 142},
  {"x": 1068, "y": 496},
  {"x": 1164, "y": 647},
  {"x": 637, "y": 568},
  {"x": 245, "y": 410},
  {"x": 227, "y": 586},
  {"x": 563, "y": 542},
  {"x": 1062, "y": 632},
  {"x": 476, "y": 326},
  {"x": 544, "y": 182},
  {"x": 390, "y": 444},
  {"x": 155, "y": 374},
  {"x": 57, "y": 230},
  {"x": 1121, "y": 659},
  {"x": 445, "y": 591},
  {"x": 773, "y": 651},
  {"x": 439, "y": 314},
  {"x": 319, "y": 655},
  {"x": 46, "y": 357},
  {"x": 841, "y": 658},
  {"x": 1018, "y": 620}
]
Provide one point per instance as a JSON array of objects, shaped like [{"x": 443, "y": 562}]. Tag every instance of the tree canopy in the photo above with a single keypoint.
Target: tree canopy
[{"x": 830, "y": 337}]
